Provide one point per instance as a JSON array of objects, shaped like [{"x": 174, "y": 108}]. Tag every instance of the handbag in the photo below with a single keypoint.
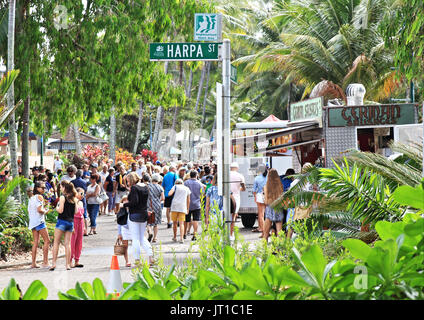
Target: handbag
[
  {"x": 122, "y": 216},
  {"x": 151, "y": 217},
  {"x": 99, "y": 199},
  {"x": 119, "y": 249},
  {"x": 104, "y": 196}
]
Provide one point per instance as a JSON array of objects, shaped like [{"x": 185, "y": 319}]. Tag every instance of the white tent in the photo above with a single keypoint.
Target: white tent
[
  {"x": 174, "y": 151},
  {"x": 185, "y": 135}
]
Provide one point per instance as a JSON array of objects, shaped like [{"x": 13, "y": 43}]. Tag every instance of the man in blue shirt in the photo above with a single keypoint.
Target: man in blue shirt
[
  {"x": 78, "y": 182},
  {"x": 194, "y": 210},
  {"x": 167, "y": 184},
  {"x": 285, "y": 180}
]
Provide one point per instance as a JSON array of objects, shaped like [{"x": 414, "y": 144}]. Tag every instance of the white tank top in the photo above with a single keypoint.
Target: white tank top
[{"x": 90, "y": 189}]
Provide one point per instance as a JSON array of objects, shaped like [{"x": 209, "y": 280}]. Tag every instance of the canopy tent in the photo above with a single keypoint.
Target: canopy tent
[
  {"x": 270, "y": 122},
  {"x": 185, "y": 135},
  {"x": 174, "y": 151}
]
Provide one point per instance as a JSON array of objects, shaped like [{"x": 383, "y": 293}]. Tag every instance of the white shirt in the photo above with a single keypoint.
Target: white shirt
[
  {"x": 67, "y": 178},
  {"x": 236, "y": 179},
  {"x": 103, "y": 176},
  {"x": 35, "y": 218},
  {"x": 91, "y": 189},
  {"x": 141, "y": 170},
  {"x": 179, "y": 202},
  {"x": 58, "y": 164}
]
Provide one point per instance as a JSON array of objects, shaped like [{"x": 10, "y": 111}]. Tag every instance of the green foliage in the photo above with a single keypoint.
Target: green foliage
[
  {"x": 10, "y": 210},
  {"x": 86, "y": 291},
  {"x": 413, "y": 197},
  {"x": 6, "y": 244},
  {"x": 36, "y": 291},
  {"x": 23, "y": 237},
  {"x": 402, "y": 29}
]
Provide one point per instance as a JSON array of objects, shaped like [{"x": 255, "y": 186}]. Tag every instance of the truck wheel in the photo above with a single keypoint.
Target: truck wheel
[{"x": 248, "y": 220}]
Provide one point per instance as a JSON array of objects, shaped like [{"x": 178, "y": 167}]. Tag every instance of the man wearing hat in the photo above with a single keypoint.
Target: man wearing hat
[
  {"x": 35, "y": 173},
  {"x": 237, "y": 184}
]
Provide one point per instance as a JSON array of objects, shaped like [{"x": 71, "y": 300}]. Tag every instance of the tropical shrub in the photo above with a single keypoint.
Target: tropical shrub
[
  {"x": 22, "y": 236},
  {"x": 95, "y": 153},
  {"x": 10, "y": 209},
  {"x": 126, "y": 157},
  {"x": 6, "y": 243}
]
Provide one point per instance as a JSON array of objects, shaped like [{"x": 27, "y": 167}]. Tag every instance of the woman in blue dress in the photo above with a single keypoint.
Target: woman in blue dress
[{"x": 273, "y": 189}]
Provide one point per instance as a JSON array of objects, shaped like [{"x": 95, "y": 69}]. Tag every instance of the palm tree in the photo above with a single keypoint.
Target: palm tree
[
  {"x": 336, "y": 41},
  {"x": 13, "y": 139},
  {"x": 112, "y": 135},
  {"x": 361, "y": 185},
  {"x": 5, "y": 84},
  {"x": 139, "y": 122}
]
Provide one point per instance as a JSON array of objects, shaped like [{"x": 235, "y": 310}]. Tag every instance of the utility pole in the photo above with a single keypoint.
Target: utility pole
[{"x": 226, "y": 72}]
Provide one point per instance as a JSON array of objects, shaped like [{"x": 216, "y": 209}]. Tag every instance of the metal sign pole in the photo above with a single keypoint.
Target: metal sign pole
[{"x": 226, "y": 73}]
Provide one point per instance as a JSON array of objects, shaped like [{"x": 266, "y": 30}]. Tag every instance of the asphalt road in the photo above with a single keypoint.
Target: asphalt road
[{"x": 96, "y": 257}]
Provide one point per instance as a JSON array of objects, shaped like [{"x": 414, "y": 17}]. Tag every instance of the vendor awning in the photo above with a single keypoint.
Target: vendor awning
[{"x": 275, "y": 134}]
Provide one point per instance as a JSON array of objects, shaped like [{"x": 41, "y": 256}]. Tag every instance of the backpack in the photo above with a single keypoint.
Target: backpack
[{"x": 122, "y": 216}]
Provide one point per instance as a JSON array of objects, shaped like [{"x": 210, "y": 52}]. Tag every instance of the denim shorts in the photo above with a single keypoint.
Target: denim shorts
[
  {"x": 64, "y": 225},
  {"x": 39, "y": 227}
]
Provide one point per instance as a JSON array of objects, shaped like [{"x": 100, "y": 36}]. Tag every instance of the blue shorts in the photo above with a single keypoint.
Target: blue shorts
[
  {"x": 64, "y": 225},
  {"x": 39, "y": 227}
]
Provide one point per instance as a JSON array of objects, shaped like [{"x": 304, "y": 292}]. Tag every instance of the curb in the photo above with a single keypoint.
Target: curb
[{"x": 26, "y": 263}]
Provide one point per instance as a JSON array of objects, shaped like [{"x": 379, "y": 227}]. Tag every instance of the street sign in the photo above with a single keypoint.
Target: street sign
[
  {"x": 233, "y": 74},
  {"x": 184, "y": 51},
  {"x": 309, "y": 109},
  {"x": 207, "y": 27}
]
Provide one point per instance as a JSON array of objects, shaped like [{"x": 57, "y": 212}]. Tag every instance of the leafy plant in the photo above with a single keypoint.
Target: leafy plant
[
  {"x": 36, "y": 291},
  {"x": 86, "y": 291}
]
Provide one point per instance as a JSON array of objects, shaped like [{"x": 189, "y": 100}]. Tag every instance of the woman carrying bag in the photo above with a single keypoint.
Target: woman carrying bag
[
  {"x": 137, "y": 203},
  {"x": 93, "y": 201}
]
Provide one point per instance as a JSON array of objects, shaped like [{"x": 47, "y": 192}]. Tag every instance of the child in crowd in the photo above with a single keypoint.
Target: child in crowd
[
  {"x": 36, "y": 212},
  {"x": 78, "y": 233}
]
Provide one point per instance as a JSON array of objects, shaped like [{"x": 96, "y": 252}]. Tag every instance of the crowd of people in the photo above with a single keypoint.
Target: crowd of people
[{"x": 81, "y": 194}]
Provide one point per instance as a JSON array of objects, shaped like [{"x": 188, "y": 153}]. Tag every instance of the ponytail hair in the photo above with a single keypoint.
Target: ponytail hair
[{"x": 70, "y": 193}]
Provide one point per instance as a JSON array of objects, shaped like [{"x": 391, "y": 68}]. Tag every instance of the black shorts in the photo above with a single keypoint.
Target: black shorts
[
  {"x": 168, "y": 201},
  {"x": 194, "y": 213}
]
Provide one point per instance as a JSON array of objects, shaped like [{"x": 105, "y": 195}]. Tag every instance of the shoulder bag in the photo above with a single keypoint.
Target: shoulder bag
[{"x": 122, "y": 216}]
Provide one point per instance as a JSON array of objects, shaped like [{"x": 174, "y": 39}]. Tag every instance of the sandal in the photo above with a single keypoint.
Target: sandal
[
  {"x": 256, "y": 230},
  {"x": 128, "y": 265},
  {"x": 154, "y": 240}
]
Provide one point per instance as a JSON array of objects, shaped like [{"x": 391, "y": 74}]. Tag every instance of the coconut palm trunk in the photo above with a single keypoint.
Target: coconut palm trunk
[
  {"x": 176, "y": 108},
  {"x": 13, "y": 138},
  {"x": 25, "y": 135},
  {"x": 139, "y": 122},
  {"x": 199, "y": 91},
  {"x": 112, "y": 136},
  {"x": 206, "y": 93},
  {"x": 78, "y": 146},
  {"x": 158, "y": 127}
]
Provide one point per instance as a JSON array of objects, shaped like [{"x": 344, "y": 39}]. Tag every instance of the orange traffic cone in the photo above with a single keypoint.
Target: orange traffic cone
[{"x": 115, "y": 283}]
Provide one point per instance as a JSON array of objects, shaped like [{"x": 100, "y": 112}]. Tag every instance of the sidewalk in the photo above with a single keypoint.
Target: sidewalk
[{"x": 96, "y": 258}]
